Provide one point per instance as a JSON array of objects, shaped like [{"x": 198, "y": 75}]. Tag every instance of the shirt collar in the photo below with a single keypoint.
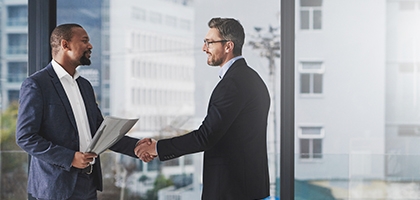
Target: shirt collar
[
  {"x": 227, "y": 65},
  {"x": 59, "y": 70}
]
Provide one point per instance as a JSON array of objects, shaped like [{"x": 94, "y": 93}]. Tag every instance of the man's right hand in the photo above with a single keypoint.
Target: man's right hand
[
  {"x": 82, "y": 160},
  {"x": 146, "y": 149}
]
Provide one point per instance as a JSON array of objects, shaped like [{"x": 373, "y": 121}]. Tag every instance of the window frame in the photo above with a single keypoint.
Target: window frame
[
  {"x": 41, "y": 24},
  {"x": 311, "y": 138},
  {"x": 311, "y": 10},
  {"x": 321, "y": 71}
]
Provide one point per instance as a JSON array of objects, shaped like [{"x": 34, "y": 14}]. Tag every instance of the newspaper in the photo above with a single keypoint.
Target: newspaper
[{"x": 111, "y": 130}]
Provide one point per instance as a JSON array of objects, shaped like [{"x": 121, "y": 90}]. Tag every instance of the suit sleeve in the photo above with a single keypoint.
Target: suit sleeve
[
  {"x": 225, "y": 104},
  {"x": 28, "y": 128}
]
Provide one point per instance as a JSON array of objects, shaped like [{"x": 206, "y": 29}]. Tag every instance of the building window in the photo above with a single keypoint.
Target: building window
[
  {"x": 173, "y": 162},
  {"x": 409, "y": 5},
  {"x": 139, "y": 14},
  {"x": 171, "y": 21},
  {"x": 311, "y": 77},
  {"x": 409, "y": 130},
  {"x": 185, "y": 24},
  {"x": 310, "y": 142},
  {"x": 189, "y": 159},
  {"x": 17, "y": 15},
  {"x": 17, "y": 44},
  {"x": 155, "y": 17},
  {"x": 13, "y": 95},
  {"x": 310, "y": 14},
  {"x": 16, "y": 72}
]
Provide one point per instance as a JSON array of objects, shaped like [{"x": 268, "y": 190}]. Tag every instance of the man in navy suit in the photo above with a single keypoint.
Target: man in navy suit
[
  {"x": 57, "y": 118},
  {"x": 233, "y": 134}
]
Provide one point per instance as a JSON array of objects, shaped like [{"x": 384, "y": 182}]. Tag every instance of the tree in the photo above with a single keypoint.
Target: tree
[
  {"x": 160, "y": 182},
  {"x": 13, "y": 163},
  {"x": 8, "y": 127}
]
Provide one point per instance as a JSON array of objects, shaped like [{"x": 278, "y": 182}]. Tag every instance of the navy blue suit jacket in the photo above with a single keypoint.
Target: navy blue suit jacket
[
  {"x": 46, "y": 129},
  {"x": 233, "y": 137}
]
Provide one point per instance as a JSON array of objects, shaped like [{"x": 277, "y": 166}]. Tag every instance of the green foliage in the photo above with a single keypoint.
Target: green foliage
[
  {"x": 160, "y": 182},
  {"x": 13, "y": 163},
  {"x": 143, "y": 178},
  {"x": 8, "y": 128}
]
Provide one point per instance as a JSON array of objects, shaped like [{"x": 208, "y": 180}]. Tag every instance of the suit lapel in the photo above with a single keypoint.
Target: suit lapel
[
  {"x": 60, "y": 91},
  {"x": 86, "y": 99}
]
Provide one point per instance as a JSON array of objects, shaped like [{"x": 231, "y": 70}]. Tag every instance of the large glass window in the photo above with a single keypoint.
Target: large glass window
[
  {"x": 360, "y": 140},
  {"x": 147, "y": 63}
]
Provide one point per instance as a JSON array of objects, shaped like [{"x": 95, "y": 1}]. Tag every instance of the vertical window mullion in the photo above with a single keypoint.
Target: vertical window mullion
[
  {"x": 311, "y": 83},
  {"x": 311, "y": 18},
  {"x": 311, "y": 151}
]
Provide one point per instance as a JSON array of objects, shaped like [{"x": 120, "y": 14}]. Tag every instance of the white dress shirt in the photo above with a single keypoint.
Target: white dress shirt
[
  {"x": 77, "y": 104},
  {"x": 227, "y": 65}
]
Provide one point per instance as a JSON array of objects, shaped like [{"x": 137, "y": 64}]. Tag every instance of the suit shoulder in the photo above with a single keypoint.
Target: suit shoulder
[{"x": 38, "y": 77}]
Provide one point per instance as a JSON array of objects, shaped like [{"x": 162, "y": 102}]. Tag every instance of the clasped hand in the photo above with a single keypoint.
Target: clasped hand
[
  {"x": 82, "y": 160},
  {"x": 146, "y": 149}
]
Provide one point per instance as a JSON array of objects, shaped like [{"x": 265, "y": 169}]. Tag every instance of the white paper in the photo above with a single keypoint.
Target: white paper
[{"x": 111, "y": 130}]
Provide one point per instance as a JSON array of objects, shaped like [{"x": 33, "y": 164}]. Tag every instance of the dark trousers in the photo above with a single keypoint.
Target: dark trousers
[{"x": 85, "y": 188}]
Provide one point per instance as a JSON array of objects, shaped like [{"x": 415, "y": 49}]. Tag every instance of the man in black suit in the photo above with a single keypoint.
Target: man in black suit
[{"x": 233, "y": 134}]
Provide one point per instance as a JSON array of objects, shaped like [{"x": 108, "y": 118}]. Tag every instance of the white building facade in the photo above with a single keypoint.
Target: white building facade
[{"x": 340, "y": 89}]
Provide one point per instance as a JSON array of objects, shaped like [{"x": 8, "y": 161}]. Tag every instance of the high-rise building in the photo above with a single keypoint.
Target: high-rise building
[{"x": 14, "y": 49}]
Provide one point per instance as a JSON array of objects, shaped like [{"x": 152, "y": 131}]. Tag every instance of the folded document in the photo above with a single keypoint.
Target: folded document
[{"x": 111, "y": 130}]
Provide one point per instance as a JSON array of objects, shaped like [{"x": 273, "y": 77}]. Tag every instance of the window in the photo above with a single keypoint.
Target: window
[
  {"x": 173, "y": 162},
  {"x": 409, "y": 5},
  {"x": 139, "y": 14},
  {"x": 185, "y": 24},
  {"x": 171, "y": 21},
  {"x": 155, "y": 17},
  {"x": 310, "y": 142},
  {"x": 13, "y": 95},
  {"x": 310, "y": 14},
  {"x": 17, "y": 44},
  {"x": 17, "y": 72},
  {"x": 409, "y": 130},
  {"x": 17, "y": 15},
  {"x": 311, "y": 77}
]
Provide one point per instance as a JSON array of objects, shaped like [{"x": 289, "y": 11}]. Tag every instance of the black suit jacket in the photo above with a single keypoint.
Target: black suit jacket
[
  {"x": 232, "y": 136},
  {"x": 46, "y": 129}
]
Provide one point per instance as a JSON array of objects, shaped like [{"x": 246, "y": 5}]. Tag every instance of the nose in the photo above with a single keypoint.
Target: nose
[
  {"x": 204, "y": 48},
  {"x": 90, "y": 46}
]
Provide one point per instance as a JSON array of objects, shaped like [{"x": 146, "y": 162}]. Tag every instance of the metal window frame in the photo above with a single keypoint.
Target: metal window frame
[
  {"x": 42, "y": 19},
  {"x": 287, "y": 99}
]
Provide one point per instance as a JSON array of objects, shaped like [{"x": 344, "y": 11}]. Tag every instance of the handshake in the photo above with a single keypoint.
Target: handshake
[{"x": 146, "y": 149}]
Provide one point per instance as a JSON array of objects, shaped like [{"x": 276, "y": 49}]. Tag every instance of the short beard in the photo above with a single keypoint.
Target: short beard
[
  {"x": 84, "y": 60},
  {"x": 215, "y": 63}
]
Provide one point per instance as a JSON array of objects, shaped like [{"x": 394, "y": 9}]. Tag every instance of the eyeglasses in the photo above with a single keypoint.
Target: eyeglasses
[{"x": 207, "y": 43}]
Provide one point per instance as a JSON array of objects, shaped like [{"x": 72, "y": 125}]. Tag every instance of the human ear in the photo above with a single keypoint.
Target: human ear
[
  {"x": 229, "y": 46},
  {"x": 65, "y": 44}
]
